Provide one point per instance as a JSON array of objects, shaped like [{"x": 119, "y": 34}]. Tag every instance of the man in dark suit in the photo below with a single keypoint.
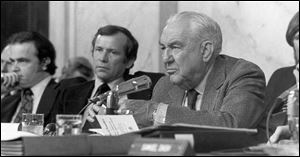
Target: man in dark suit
[
  {"x": 203, "y": 87},
  {"x": 114, "y": 52},
  {"x": 283, "y": 78},
  {"x": 282, "y": 81},
  {"x": 33, "y": 60}
]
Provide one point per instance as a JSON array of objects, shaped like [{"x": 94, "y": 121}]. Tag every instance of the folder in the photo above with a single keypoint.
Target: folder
[
  {"x": 207, "y": 138},
  {"x": 68, "y": 145}
]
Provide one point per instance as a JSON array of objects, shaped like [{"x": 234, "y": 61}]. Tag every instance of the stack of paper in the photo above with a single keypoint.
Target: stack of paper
[{"x": 11, "y": 142}]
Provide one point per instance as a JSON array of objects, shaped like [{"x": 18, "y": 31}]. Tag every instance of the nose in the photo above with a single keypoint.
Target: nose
[
  {"x": 104, "y": 56},
  {"x": 167, "y": 56},
  {"x": 15, "y": 67}
]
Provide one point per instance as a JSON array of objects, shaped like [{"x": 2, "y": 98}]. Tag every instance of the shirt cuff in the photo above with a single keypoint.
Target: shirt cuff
[{"x": 159, "y": 115}]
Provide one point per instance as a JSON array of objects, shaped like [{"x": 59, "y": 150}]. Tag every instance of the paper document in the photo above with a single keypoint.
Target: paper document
[
  {"x": 9, "y": 131},
  {"x": 114, "y": 125}
]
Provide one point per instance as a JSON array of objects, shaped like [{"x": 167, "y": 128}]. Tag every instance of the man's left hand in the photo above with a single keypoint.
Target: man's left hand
[{"x": 142, "y": 111}]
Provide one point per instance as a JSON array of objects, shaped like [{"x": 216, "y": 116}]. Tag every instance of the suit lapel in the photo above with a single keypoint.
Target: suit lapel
[
  {"x": 214, "y": 82},
  {"x": 176, "y": 94},
  {"x": 86, "y": 92},
  {"x": 9, "y": 106},
  {"x": 47, "y": 99}
]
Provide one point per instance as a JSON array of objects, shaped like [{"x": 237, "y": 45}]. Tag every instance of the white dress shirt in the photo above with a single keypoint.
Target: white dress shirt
[
  {"x": 200, "y": 89},
  {"x": 37, "y": 91}
]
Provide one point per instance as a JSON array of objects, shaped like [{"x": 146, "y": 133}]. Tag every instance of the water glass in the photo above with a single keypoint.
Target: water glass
[
  {"x": 33, "y": 123},
  {"x": 68, "y": 124}
]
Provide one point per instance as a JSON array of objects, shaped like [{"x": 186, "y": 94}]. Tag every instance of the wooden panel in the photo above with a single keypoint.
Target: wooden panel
[{"x": 19, "y": 16}]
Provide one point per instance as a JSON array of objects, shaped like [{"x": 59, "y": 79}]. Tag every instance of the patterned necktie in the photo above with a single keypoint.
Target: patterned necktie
[
  {"x": 192, "y": 98},
  {"x": 26, "y": 104}
]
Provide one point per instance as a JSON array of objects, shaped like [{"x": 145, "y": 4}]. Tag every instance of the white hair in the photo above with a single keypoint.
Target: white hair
[{"x": 205, "y": 28}]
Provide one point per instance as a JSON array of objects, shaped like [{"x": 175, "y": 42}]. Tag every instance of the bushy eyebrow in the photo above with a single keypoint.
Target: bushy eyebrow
[
  {"x": 176, "y": 42},
  {"x": 19, "y": 59}
]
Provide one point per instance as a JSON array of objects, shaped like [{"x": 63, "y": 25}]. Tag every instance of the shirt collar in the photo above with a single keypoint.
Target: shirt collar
[
  {"x": 112, "y": 85},
  {"x": 39, "y": 88}
]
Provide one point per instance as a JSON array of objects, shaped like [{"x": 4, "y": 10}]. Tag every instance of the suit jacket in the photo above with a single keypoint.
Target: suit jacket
[
  {"x": 65, "y": 83},
  {"x": 233, "y": 96},
  {"x": 281, "y": 80},
  {"x": 46, "y": 104},
  {"x": 73, "y": 99}
]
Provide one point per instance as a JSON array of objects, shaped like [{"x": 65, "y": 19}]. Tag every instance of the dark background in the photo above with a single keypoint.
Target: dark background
[{"x": 19, "y": 16}]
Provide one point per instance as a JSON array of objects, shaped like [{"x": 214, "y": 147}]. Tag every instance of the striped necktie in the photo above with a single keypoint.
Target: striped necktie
[{"x": 192, "y": 98}]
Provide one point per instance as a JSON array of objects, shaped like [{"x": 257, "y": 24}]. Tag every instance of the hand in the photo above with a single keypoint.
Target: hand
[
  {"x": 281, "y": 132},
  {"x": 95, "y": 109},
  {"x": 9, "y": 82},
  {"x": 296, "y": 72},
  {"x": 142, "y": 111}
]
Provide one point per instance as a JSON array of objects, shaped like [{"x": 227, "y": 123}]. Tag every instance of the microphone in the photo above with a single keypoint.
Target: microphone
[{"x": 131, "y": 86}]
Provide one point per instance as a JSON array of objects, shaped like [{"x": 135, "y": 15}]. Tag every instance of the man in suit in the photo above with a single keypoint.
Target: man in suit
[
  {"x": 114, "y": 52},
  {"x": 282, "y": 80},
  {"x": 33, "y": 60},
  {"x": 203, "y": 87}
]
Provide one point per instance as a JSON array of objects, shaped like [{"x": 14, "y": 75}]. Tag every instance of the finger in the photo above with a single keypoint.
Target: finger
[
  {"x": 90, "y": 119},
  {"x": 14, "y": 79},
  {"x": 275, "y": 137},
  {"x": 5, "y": 81},
  {"x": 96, "y": 108},
  {"x": 91, "y": 112},
  {"x": 99, "y": 103},
  {"x": 11, "y": 80},
  {"x": 296, "y": 74},
  {"x": 102, "y": 111}
]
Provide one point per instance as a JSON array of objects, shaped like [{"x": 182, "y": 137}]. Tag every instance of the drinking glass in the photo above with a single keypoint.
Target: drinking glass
[
  {"x": 33, "y": 123},
  {"x": 68, "y": 124}
]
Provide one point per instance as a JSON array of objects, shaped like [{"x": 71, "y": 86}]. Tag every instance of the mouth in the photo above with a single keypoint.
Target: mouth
[
  {"x": 101, "y": 68},
  {"x": 171, "y": 71}
]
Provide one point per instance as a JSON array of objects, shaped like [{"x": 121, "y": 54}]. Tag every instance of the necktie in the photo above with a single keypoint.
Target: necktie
[
  {"x": 87, "y": 125},
  {"x": 26, "y": 104},
  {"x": 192, "y": 98},
  {"x": 102, "y": 89}
]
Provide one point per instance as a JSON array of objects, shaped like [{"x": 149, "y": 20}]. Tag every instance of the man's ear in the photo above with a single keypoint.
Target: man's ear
[
  {"x": 207, "y": 50},
  {"x": 130, "y": 63},
  {"x": 45, "y": 62}
]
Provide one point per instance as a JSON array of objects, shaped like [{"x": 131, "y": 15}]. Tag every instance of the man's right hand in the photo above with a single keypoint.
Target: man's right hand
[
  {"x": 95, "y": 109},
  {"x": 9, "y": 82},
  {"x": 281, "y": 132},
  {"x": 296, "y": 72}
]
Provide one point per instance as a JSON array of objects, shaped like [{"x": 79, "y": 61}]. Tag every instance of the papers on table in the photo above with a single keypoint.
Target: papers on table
[
  {"x": 9, "y": 131},
  {"x": 114, "y": 125}
]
